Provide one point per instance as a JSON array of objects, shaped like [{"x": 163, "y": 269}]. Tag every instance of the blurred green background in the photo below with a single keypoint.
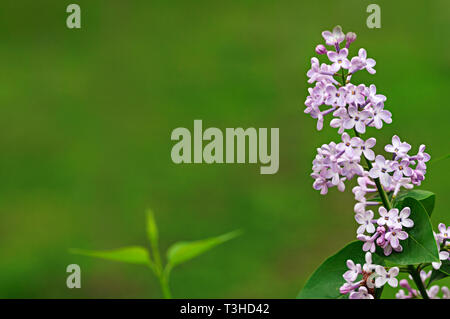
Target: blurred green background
[{"x": 86, "y": 117}]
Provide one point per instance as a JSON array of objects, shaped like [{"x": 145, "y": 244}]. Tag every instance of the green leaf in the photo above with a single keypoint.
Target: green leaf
[
  {"x": 183, "y": 251},
  {"x": 445, "y": 267},
  {"x": 441, "y": 273},
  {"x": 152, "y": 229},
  {"x": 133, "y": 255},
  {"x": 426, "y": 198},
  {"x": 420, "y": 246},
  {"x": 327, "y": 279}
]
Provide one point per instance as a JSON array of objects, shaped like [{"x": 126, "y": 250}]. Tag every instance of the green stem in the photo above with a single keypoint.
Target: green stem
[
  {"x": 157, "y": 268},
  {"x": 163, "y": 278},
  {"x": 165, "y": 287},
  {"x": 381, "y": 191},
  {"x": 156, "y": 257},
  {"x": 378, "y": 292},
  {"x": 383, "y": 195},
  {"x": 418, "y": 281}
]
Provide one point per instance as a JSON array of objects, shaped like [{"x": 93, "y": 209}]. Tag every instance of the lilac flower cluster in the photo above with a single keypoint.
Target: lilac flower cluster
[
  {"x": 402, "y": 171},
  {"x": 400, "y": 166},
  {"x": 441, "y": 241},
  {"x": 351, "y": 106},
  {"x": 370, "y": 276},
  {"x": 389, "y": 231},
  {"x": 335, "y": 163},
  {"x": 432, "y": 292},
  {"x": 356, "y": 107}
]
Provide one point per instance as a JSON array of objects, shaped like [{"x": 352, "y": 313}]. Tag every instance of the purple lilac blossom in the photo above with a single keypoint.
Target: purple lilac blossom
[
  {"x": 413, "y": 293},
  {"x": 356, "y": 107},
  {"x": 389, "y": 232},
  {"x": 371, "y": 276}
]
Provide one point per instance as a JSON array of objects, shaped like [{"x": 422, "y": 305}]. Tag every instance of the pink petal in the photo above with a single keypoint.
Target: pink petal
[
  {"x": 369, "y": 154},
  {"x": 395, "y": 141},
  {"x": 405, "y": 212},
  {"x": 352, "y": 111},
  {"x": 343, "y": 53},
  {"x": 362, "y": 53},
  {"x": 370, "y": 63},
  {"x": 379, "y": 160},
  {"x": 402, "y": 235},
  {"x": 360, "y": 127},
  {"x": 394, "y": 242},
  {"x": 370, "y": 142},
  {"x": 332, "y": 56}
]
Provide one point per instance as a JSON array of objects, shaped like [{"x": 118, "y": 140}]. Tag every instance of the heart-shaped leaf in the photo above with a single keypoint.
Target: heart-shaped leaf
[
  {"x": 133, "y": 255},
  {"x": 183, "y": 251},
  {"x": 327, "y": 279},
  {"x": 426, "y": 198},
  {"x": 420, "y": 246}
]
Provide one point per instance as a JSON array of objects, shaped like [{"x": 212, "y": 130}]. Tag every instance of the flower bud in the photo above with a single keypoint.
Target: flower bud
[
  {"x": 404, "y": 283},
  {"x": 346, "y": 288},
  {"x": 381, "y": 241},
  {"x": 350, "y": 38},
  {"x": 320, "y": 49}
]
